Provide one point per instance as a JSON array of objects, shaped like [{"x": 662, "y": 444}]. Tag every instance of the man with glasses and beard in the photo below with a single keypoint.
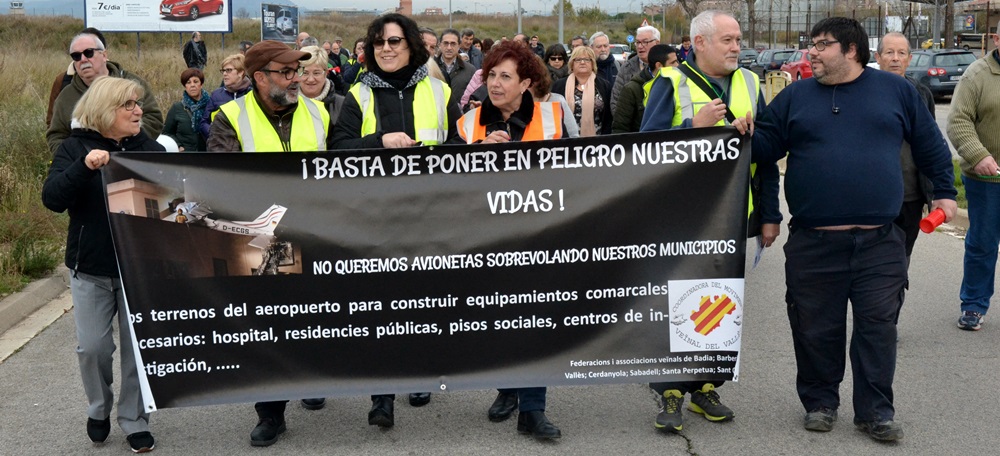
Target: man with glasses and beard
[
  {"x": 607, "y": 66},
  {"x": 280, "y": 119},
  {"x": 90, "y": 61},
  {"x": 842, "y": 131}
]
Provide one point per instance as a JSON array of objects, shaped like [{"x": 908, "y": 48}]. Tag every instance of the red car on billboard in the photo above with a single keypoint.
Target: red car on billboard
[
  {"x": 191, "y": 9},
  {"x": 798, "y": 65}
]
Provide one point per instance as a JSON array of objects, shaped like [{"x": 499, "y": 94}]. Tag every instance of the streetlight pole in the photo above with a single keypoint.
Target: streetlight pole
[
  {"x": 449, "y": 14},
  {"x": 518, "y": 16},
  {"x": 562, "y": 3}
]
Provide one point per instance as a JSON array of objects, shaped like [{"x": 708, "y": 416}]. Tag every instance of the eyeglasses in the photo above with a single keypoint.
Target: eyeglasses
[
  {"x": 130, "y": 105},
  {"x": 288, "y": 73},
  {"x": 557, "y": 58},
  {"x": 822, "y": 44},
  {"x": 393, "y": 42},
  {"x": 449, "y": 44},
  {"x": 645, "y": 43},
  {"x": 88, "y": 53},
  {"x": 318, "y": 74},
  {"x": 582, "y": 60},
  {"x": 227, "y": 70}
]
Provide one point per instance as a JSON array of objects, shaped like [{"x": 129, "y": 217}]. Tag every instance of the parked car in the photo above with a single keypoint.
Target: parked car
[
  {"x": 798, "y": 65},
  {"x": 940, "y": 70},
  {"x": 620, "y": 52},
  {"x": 770, "y": 60},
  {"x": 871, "y": 59},
  {"x": 191, "y": 9},
  {"x": 747, "y": 56}
]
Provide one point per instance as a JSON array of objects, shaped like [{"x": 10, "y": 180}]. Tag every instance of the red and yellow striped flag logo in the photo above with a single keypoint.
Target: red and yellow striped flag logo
[{"x": 710, "y": 311}]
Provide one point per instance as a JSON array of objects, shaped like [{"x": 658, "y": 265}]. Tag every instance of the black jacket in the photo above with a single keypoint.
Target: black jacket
[
  {"x": 394, "y": 109},
  {"x": 72, "y": 186}
]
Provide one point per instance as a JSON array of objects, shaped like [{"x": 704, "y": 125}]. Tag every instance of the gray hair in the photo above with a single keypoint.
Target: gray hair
[
  {"x": 581, "y": 37},
  {"x": 704, "y": 23},
  {"x": 878, "y": 50},
  {"x": 310, "y": 41},
  {"x": 597, "y": 35},
  {"x": 648, "y": 28},
  {"x": 97, "y": 41}
]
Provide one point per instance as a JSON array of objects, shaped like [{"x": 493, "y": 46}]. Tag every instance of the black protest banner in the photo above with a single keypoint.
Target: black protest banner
[{"x": 569, "y": 262}]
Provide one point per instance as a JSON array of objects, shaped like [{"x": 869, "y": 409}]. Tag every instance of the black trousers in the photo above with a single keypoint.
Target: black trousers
[
  {"x": 271, "y": 409},
  {"x": 823, "y": 271}
]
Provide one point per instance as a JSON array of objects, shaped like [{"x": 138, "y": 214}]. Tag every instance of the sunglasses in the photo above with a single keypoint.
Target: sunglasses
[
  {"x": 556, "y": 57},
  {"x": 393, "y": 42},
  {"x": 88, "y": 53}
]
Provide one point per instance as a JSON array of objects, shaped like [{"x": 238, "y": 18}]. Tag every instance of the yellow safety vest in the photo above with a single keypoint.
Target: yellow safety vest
[
  {"x": 688, "y": 99},
  {"x": 309, "y": 125},
  {"x": 430, "y": 114}
]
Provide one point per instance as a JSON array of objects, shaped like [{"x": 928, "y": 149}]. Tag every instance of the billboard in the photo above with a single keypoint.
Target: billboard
[
  {"x": 279, "y": 22},
  {"x": 159, "y": 16}
]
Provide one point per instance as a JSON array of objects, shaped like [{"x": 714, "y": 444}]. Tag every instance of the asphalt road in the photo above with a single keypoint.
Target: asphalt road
[{"x": 945, "y": 393}]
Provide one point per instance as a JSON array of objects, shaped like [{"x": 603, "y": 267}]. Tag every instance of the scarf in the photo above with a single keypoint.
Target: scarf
[
  {"x": 196, "y": 108},
  {"x": 326, "y": 90},
  {"x": 244, "y": 84},
  {"x": 587, "y": 127},
  {"x": 399, "y": 80}
]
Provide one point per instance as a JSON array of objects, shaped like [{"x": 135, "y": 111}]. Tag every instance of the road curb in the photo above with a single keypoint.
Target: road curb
[{"x": 18, "y": 306}]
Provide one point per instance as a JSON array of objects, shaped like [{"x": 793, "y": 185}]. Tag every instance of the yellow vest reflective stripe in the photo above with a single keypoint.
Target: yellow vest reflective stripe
[
  {"x": 688, "y": 99},
  {"x": 430, "y": 114},
  {"x": 309, "y": 126},
  {"x": 546, "y": 123}
]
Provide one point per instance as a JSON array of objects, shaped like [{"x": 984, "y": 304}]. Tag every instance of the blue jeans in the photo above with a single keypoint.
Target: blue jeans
[
  {"x": 823, "y": 271},
  {"x": 981, "y": 242}
]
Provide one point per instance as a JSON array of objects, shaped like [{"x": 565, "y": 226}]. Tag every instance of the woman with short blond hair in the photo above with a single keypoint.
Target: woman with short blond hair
[{"x": 110, "y": 120}]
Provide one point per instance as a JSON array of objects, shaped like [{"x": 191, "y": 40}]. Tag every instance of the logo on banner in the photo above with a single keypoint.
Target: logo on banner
[{"x": 705, "y": 315}]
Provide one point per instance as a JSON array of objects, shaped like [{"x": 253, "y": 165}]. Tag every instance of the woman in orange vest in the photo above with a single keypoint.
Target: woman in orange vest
[{"x": 511, "y": 114}]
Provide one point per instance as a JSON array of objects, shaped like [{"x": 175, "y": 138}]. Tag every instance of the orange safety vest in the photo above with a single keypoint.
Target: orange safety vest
[{"x": 546, "y": 123}]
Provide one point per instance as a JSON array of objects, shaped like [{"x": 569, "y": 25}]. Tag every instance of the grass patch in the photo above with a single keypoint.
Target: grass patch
[{"x": 960, "y": 199}]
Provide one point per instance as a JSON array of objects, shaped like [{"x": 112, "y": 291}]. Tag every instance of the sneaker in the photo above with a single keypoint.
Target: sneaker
[
  {"x": 885, "y": 431},
  {"x": 821, "y": 419},
  {"x": 706, "y": 402},
  {"x": 141, "y": 442},
  {"x": 971, "y": 320},
  {"x": 669, "y": 418},
  {"x": 98, "y": 430}
]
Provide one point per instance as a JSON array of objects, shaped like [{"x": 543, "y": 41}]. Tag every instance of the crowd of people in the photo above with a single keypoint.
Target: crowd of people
[{"x": 854, "y": 206}]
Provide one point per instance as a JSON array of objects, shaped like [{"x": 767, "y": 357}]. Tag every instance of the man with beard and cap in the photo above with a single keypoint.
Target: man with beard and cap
[
  {"x": 279, "y": 119},
  {"x": 90, "y": 61},
  {"x": 607, "y": 66}
]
